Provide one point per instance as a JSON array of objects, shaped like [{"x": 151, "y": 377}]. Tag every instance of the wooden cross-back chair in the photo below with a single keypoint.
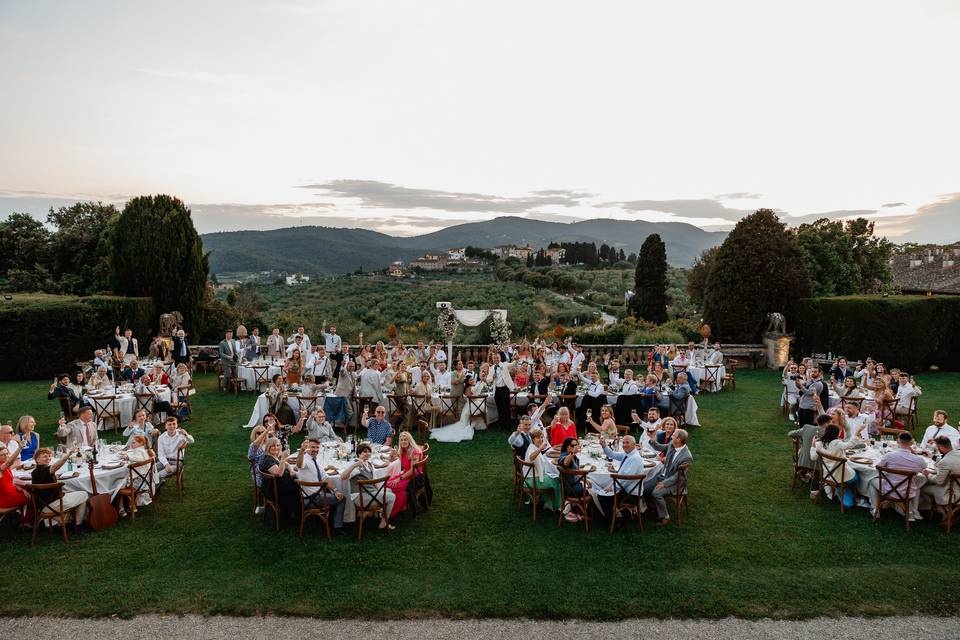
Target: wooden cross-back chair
[
  {"x": 579, "y": 504},
  {"x": 396, "y": 408},
  {"x": 420, "y": 470},
  {"x": 184, "y": 400},
  {"x": 140, "y": 481},
  {"x": 730, "y": 377},
  {"x": 678, "y": 409},
  {"x": 105, "y": 409},
  {"x": 711, "y": 377},
  {"x": 899, "y": 493},
  {"x": 952, "y": 508},
  {"x": 478, "y": 405},
  {"x": 148, "y": 403},
  {"x": 44, "y": 509},
  {"x": 528, "y": 485},
  {"x": 798, "y": 470},
  {"x": 832, "y": 477},
  {"x": 261, "y": 376},
  {"x": 254, "y": 472},
  {"x": 681, "y": 494},
  {"x": 68, "y": 411},
  {"x": 308, "y": 404},
  {"x": 314, "y": 504},
  {"x": 271, "y": 501},
  {"x": 418, "y": 405},
  {"x": 449, "y": 408},
  {"x": 910, "y": 417},
  {"x": 857, "y": 402},
  {"x": 785, "y": 406},
  {"x": 373, "y": 501},
  {"x": 627, "y": 501}
]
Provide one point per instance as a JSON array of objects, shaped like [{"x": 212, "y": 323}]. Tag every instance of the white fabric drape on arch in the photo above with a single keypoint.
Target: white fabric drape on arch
[{"x": 475, "y": 317}]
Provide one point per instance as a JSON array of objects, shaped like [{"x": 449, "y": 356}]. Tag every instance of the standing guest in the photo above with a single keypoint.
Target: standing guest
[
  {"x": 229, "y": 358},
  {"x": 501, "y": 378},
  {"x": 303, "y": 338},
  {"x": 294, "y": 366},
  {"x": 539, "y": 387},
  {"x": 127, "y": 345},
  {"x": 322, "y": 365},
  {"x": 169, "y": 442},
  {"x": 27, "y": 437},
  {"x": 664, "y": 482},
  {"x": 332, "y": 341},
  {"x": 298, "y": 344},
  {"x": 614, "y": 377},
  {"x": 905, "y": 459},
  {"x": 379, "y": 430},
  {"x": 46, "y": 473},
  {"x": 158, "y": 349},
  {"x": 253, "y": 352},
  {"x": 937, "y": 488},
  {"x": 275, "y": 347},
  {"x": 631, "y": 464},
  {"x": 181, "y": 350},
  {"x": 274, "y": 464},
  {"x": 371, "y": 385},
  {"x": 345, "y": 388},
  {"x": 309, "y": 470},
  {"x": 563, "y": 428},
  {"x": 363, "y": 469},
  {"x": 11, "y": 496},
  {"x": 547, "y": 484},
  {"x": 940, "y": 428},
  {"x": 81, "y": 432},
  {"x": 809, "y": 392},
  {"x": 840, "y": 371}
]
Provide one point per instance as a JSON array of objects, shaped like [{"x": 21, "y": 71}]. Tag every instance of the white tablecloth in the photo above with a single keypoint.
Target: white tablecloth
[
  {"x": 109, "y": 481},
  {"x": 262, "y": 407},
  {"x": 127, "y": 402},
  {"x": 248, "y": 375}
]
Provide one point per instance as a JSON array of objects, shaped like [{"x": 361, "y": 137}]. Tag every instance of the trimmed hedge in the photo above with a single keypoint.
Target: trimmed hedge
[
  {"x": 911, "y": 333},
  {"x": 47, "y": 335}
]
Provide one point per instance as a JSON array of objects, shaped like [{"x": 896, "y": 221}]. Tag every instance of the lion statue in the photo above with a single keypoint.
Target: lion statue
[{"x": 169, "y": 322}]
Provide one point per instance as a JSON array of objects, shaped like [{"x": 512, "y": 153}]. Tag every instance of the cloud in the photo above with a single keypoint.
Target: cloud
[
  {"x": 890, "y": 205},
  {"x": 936, "y": 222},
  {"x": 383, "y": 195},
  {"x": 739, "y": 195},
  {"x": 702, "y": 208}
]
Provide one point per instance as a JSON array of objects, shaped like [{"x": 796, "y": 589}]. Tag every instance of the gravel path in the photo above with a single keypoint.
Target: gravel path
[{"x": 159, "y": 627}]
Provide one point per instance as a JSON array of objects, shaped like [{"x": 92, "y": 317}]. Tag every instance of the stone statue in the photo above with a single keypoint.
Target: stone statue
[
  {"x": 776, "y": 324},
  {"x": 169, "y": 322}
]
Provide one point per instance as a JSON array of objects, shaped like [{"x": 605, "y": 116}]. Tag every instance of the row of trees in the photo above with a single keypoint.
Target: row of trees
[
  {"x": 763, "y": 267},
  {"x": 587, "y": 253}
]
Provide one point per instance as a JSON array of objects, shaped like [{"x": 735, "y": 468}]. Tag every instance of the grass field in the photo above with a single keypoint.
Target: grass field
[{"x": 751, "y": 546}]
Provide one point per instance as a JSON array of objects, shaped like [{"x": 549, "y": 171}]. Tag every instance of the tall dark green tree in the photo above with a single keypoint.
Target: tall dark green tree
[
  {"x": 844, "y": 257},
  {"x": 157, "y": 252},
  {"x": 699, "y": 274},
  {"x": 758, "y": 269},
  {"x": 650, "y": 282},
  {"x": 80, "y": 247}
]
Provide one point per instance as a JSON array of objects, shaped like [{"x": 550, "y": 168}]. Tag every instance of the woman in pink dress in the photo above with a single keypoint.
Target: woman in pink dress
[{"x": 410, "y": 454}]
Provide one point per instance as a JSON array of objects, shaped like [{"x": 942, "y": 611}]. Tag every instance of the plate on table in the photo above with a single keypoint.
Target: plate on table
[
  {"x": 332, "y": 471},
  {"x": 552, "y": 454},
  {"x": 861, "y": 460},
  {"x": 66, "y": 475},
  {"x": 111, "y": 465},
  {"x": 649, "y": 454},
  {"x": 649, "y": 464},
  {"x": 590, "y": 468}
]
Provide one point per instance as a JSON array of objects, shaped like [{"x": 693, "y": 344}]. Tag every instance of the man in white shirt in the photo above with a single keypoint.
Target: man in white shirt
[
  {"x": 298, "y": 343},
  {"x": 168, "y": 444},
  {"x": 628, "y": 386},
  {"x": 304, "y": 338},
  {"x": 613, "y": 375},
  {"x": 332, "y": 341},
  {"x": 309, "y": 470},
  {"x": 441, "y": 377},
  {"x": 576, "y": 361},
  {"x": 940, "y": 428},
  {"x": 649, "y": 426},
  {"x": 906, "y": 391},
  {"x": 716, "y": 356},
  {"x": 322, "y": 365},
  {"x": 81, "y": 432},
  {"x": 501, "y": 377},
  {"x": 129, "y": 347},
  {"x": 858, "y": 424}
]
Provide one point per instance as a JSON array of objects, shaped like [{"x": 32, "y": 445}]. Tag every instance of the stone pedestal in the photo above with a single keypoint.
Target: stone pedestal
[{"x": 778, "y": 350}]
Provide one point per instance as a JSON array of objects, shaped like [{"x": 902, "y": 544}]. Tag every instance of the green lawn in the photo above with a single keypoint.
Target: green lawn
[{"x": 751, "y": 547}]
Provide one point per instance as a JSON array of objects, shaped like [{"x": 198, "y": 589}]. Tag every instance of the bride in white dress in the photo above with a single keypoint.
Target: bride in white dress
[{"x": 462, "y": 429}]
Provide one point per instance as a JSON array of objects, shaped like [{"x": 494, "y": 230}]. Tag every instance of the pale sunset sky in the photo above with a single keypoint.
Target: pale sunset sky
[{"x": 407, "y": 117}]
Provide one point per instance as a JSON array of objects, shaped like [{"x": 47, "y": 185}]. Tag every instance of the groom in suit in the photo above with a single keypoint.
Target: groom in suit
[
  {"x": 501, "y": 376},
  {"x": 664, "y": 483}
]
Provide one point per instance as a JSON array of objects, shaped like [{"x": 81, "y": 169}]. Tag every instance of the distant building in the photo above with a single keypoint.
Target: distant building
[
  {"x": 430, "y": 262},
  {"x": 297, "y": 278},
  {"x": 456, "y": 255},
  {"x": 514, "y": 251},
  {"x": 556, "y": 255},
  {"x": 929, "y": 269},
  {"x": 396, "y": 270},
  {"x": 472, "y": 264}
]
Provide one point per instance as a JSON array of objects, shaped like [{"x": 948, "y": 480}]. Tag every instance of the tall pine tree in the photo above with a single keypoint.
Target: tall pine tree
[
  {"x": 156, "y": 252},
  {"x": 650, "y": 282}
]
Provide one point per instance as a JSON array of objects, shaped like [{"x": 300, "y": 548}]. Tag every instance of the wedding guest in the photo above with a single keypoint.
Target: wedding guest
[
  {"x": 607, "y": 428},
  {"x": 170, "y": 441},
  {"x": 317, "y": 426},
  {"x": 252, "y": 351},
  {"x": 402, "y": 482},
  {"x": 937, "y": 488},
  {"x": 521, "y": 438},
  {"x": 274, "y": 464},
  {"x": 663, "y": 483},
  {"x": 133, "y": 372},
  {"x": 46, "y": 473},
  {"x": 840, "y": 371},
  {"x": 11, "y": 444},
  {"x": 309, "y": 470},
  {"x": 573, "y": 485},
  {"x": 832, "y": 443},
  {"x": 905, "y": 459},
  {"x": 255, "y": 452},
  {"x": 907, "y": 390},
  {"x": 301, "y": 339},
  {"x": 275, "y": 348},
  {"x": 363, "y": 469},
  {"x": 332, "y": 341},
  {"x": 277, "y": 400},
  {"x": 548, "y": 485},
  {"x": 631, "y": 464},
  {"x": 180, "y": 385},
  {"x": 940, "y": 428},
  {"x": 138, "y": 451},
  {"x": 11, "y": 496},
  {"x": 181, "y": 350},
  {"x": 563, "y": 428},
  {"x": 857, "y": 424},
  {"x": 294, "y": 366},
  {"x": 378, "y": 427},
  {"x": 81, "y": 432},
  {"x": 27, "y": 437},
  {"x": 229, "y": 358},
  {"x": 809, "y": 392},
  {"x": 100, "y": 380},
  {"x": 140, "y": 427},
  {"x": 127, "y": 345},
  {"x": 61, "y": 389}
]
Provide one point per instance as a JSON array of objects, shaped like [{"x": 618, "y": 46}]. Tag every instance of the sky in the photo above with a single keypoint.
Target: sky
[{"x": 406, "y": 117}]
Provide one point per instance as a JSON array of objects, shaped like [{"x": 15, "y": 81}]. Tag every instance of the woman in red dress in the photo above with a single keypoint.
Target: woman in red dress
[
  {"x": 562, "y": 428},
  {"x": 410, "y": 454},
  {"x": 11, "y": 496}
]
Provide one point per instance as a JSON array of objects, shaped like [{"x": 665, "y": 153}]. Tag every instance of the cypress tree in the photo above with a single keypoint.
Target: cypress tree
[{"x": 650, "y": 281}]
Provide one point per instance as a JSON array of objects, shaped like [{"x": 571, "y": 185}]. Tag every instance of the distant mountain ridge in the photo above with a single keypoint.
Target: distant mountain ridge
[{"x": 329, "y": 250}]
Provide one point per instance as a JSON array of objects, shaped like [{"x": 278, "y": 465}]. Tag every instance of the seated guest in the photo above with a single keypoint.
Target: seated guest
[
  {"x": 81, "y": 432},
  {"x": 61, "y": 389},
  {"x": 628, "y": 386},
  {"x": 664, "y": 434},
  {"x": 907, "y": 390},
  {"x": 100, "y": 359},
  {"x": 607, "y": 428},
  {"x": 568, "y": 388},
  {"x": 631, "y": 464},
  {"x": 937, "y": 488},
  {"x": 650, "y": 393},
  {"x": 46, "y": 473},
  {"x": 138, "y": 451},
  {"x": 716, "y": 355},
  {"x": 180, "y": 385},
  {"x": 594, "y": 398},
  {"x": 27, "y": 437},
  {"x": 940, "y": 428},
  {"x": 9, "y": 443},
  {"x": 573, "y": 485},
  {"x": 277, "y": 399},
  {"x": 676, "y": 400},
  {"x": 274, "y": 465},
  {"x": 521, "y": 438},
  {"x": 297, "y": 343},
  {"x": 683, "y": 360},
  {"x": 614, "y": 376},
  {"x": 847, "y": 388},
  {"x": 547, "y": 484},
  {"x": 539, "y": 386},
  {"x": 840, "y": 371},
  {"x": 159, "y": 350},
  {"x": 317, "y": 426},
  {"x": 140, "y": 427},
  {"x": 403, "y": 480},
  {"x": 133, "y": 373},
  {"x": 170, "y": 441},
  {"x": 905, "y": 459},
  {"x": 363, "y": 469},
  {"x": 309, "y": 470},
  {"x": 857, "y": 424},
  {"x": 378, "y": 427},
  {"x": 831, "y": 443},
  {"x": 11, "y": 496},
  {"x": 562, "y": 428},
  {"x": 663, "y": 483},
  {"x": 157, "y": 377},
  {"x": 101, "y": 380}
]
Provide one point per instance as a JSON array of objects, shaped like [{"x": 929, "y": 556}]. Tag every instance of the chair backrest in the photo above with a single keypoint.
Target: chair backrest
[
  {"x": 857, "y": 402},
  {"x": 478, "y": 405},
  {"x": 308, "y": 404},
  {"x": 65, "y": 407},
  {"x": 52, "y": 503},
  {"x": 832, "y": 475},
  {"x": 796, "y": 449},
  {"x": 683, "y": 475},
  {"x": 141, "y": 475},
  {"x": 419, "y": 403},
  {"x": 144, "y": 401},
  {"x": 420, "y": 466},
  {"x": 104, "y": 406},
  {"x": 314, "y": 500},
  {"x": 619, "y": 479},
  {"x": 711, "y": 372},
  {"x": 373, "y": 494},
  {"x": 899, "y": 483},
  {"x": 953, "y": 489},
  {"x": 889, "y": 431},
  {"x": 526, "y": 470},
  {"x": 574, "y": 476}
]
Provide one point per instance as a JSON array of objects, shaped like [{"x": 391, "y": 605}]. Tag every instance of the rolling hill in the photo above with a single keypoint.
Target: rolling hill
[{"x": 327, "y": 250}]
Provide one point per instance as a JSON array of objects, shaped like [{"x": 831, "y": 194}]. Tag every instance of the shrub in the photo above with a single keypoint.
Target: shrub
[
  {"x": 47, "y": 335},
  {"x": 908, "y": 332}
]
